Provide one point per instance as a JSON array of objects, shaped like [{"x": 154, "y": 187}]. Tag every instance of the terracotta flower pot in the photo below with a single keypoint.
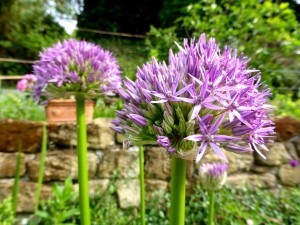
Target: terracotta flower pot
[{"x": 60, "y": 111}]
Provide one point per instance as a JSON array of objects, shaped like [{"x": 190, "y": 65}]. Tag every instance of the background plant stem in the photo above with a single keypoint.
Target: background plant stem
[
  {"x": 17, "y": 180},
  {"x": 178, "y": 177},
  {"x": 42, "y": 168},
  {"x": 82, "y": 161},
  {"x": 211, "y": 207},
  {"x": 142, "y": 185}
]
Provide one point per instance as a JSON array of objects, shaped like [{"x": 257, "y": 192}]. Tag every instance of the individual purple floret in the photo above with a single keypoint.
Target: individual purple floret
[
  {"x": 294, "y": 163},
  {"x": 76, "y": 66},
  {"x": 213, "y": 175},
  {"x": 202, "y": 100}
]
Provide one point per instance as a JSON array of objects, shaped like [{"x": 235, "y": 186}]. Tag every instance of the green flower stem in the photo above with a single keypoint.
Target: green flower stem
[
  {"x": 178, "y": 177},
  {"x": 142, "y": 185},
  {"x": 82, "y": 161},
  {"x": 17, "y": 180},
  {"x": 42, "y": 168},
  {"x": 211, "y": 195}
]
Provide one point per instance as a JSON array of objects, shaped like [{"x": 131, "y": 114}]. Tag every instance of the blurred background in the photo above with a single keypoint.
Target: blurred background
[{"x": 265, "y": 31}]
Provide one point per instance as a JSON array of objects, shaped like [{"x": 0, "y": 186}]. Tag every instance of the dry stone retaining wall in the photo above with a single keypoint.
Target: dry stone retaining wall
[{"x": 109, "y": 161}]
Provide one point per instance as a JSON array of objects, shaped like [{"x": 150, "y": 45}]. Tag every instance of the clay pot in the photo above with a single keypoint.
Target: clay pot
[{"x": 60, "y": 111}]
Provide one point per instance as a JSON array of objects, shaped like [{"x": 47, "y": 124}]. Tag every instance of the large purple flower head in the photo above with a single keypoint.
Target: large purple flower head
[
  {"x": 204, "y": 99},
  {"x": 76, "y": 66}
]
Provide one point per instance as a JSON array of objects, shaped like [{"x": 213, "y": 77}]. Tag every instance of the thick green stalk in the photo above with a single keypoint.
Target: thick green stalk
[
  {"x": 142, "y": 186},
  {"x": 82, "y": 161},
  {"x": 17, "y": 180},
  {"x": 41, "y": 169},
  {"x": 211, "y": 195},
  {"x": 178, "y": 177}
]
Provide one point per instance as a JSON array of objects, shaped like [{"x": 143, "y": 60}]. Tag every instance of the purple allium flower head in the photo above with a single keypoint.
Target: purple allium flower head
[
  {"x": 202, "y": 100},
  {"x": 213, "y": 175},
  {"x": 74, "y": 66}
]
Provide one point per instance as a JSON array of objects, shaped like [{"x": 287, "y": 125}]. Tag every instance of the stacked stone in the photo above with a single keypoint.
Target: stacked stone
[{"x": 109, "y": 162}]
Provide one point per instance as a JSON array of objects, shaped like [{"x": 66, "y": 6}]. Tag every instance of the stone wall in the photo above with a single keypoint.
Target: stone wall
[{"x": 108, "y": 160}]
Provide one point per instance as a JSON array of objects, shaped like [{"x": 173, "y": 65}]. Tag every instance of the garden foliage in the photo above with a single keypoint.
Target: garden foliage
[
  {"x": 26, "y": 29},
  {"x": 267, "y": 32},
  {"x": 18, "y": 105},
  {"x": 6, "y": 212},
  {"x": 233, "y": 207}
]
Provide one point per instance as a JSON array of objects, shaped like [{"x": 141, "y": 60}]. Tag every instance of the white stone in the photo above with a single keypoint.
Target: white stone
[{"x": 128, "y": 192}]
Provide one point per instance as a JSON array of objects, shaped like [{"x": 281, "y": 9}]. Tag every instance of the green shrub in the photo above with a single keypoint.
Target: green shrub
[
  {"x": 286, "y": 106},
  {"x": 265, "y": 31},
  {"x": 159, "y": 41},
  {"x": 107, "y": 107},
  {"x": 18, "y": 105}
]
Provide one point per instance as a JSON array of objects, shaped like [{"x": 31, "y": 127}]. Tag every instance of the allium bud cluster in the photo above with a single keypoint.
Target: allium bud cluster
[
  {"x": 76, "y": 66},
  {"x": 203, "y": 99},
  {"x": 213, "y": 175}
]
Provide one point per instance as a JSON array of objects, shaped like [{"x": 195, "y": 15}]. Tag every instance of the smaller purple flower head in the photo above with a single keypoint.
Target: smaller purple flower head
[
  {"x": 27, "y": 82},
  {"x": 294, "y": 163},
  {"x": 213, "y": 175},
  {"x": 74, "y": 66},
  {"x": 22, "y": 85}
]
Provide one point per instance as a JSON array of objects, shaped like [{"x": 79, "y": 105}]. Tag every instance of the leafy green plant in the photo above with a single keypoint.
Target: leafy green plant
[
  {"x": 157, "y": 208},
  {"x": 106, "y": 108},
  {"x": 265, "y": 31},
  {"x": 105, "y": 210},
  {"x": 6, "y": 212},
  {"x": 232, "y": 206},
  {"x": 236, "y": 206},
  {"x": 26, "y": 29},
  {"x": 62, "y": 208},
  {"x": 286, "y": 106},
  {"x": 159, "y": 40},
  {"x": 17, "y": 105}
]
